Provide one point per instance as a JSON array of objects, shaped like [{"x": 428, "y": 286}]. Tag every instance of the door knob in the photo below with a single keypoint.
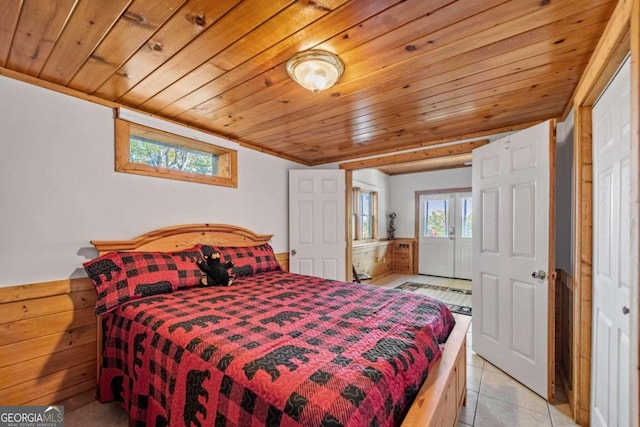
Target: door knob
[
  {"x": 625, "y": 310},
  {"x": 540, "y": 274},
  {"x": 293, "y": 252}
]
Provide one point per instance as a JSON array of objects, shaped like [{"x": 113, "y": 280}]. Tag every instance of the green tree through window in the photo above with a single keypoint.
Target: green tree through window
[
  {"x": 436, "y": 218},
  {"x": 154, "y": 153}
]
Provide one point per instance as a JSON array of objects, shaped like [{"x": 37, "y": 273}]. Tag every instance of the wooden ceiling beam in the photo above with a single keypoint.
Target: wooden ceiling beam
[{"x": 448, "y": 150}]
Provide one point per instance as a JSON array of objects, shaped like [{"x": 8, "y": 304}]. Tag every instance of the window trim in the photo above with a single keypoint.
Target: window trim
[{"x": 227, "y": 158}]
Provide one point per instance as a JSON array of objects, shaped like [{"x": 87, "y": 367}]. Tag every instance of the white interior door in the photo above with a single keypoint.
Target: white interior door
[
  {"x": 510, "y": 246},
  {"x": 462, "y": 265},
  {"x": 436, "y": 240},
  {"x": 317, "y": 223},
  {"x": 610, "y": 364}
]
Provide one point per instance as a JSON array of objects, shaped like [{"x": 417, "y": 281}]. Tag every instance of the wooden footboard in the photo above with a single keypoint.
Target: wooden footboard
[{"x": 445, "y": 391}]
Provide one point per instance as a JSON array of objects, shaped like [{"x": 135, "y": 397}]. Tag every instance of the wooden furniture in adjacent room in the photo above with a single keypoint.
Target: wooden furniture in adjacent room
[{"x": 403, "y": 256}]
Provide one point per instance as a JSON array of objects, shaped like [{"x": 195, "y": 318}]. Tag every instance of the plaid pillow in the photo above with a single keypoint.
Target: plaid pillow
[
  {"x": 249, "y": 260},
  {"x": 124, "y": 276}
]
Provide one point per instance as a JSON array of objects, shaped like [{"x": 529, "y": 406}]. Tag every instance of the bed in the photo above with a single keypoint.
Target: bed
[{"x": 275, "y": 348}]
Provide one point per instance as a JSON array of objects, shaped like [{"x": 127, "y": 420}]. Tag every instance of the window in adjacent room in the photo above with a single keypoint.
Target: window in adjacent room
[
  {"x": 145, "y": 151},
  {"x": 467, "y": 217},
  {"x": 436, "y": 222},
  {"x": 365, "y": 214}
]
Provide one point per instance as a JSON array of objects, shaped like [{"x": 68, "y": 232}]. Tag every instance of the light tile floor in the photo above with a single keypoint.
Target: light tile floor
[{"x": 494, "y": 399}]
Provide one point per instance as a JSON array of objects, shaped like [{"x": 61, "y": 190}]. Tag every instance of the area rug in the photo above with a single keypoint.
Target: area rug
[{"x": 458, "y": 300}]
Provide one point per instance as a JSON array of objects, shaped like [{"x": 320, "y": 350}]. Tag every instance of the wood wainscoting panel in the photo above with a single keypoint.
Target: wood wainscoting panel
[
  {"x": 564, "y": 333},
  {"x": 48, "y": 343},
  {"x": 373, "y": 258}
]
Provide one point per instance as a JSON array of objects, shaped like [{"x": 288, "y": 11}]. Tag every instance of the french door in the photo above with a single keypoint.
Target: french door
[{"x": 445, "y": 235}]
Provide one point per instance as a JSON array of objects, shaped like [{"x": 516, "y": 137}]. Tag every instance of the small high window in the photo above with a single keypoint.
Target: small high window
[{"x": 146, "y": 151}]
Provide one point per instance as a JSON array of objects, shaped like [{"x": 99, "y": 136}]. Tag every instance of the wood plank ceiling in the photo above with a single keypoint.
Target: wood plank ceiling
[{"x": 418, "y": 72}]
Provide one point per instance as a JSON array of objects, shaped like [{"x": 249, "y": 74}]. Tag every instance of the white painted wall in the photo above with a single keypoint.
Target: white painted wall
[
  {"x": 564, "y": 195},
  {"x": 58, "y": 188},
  {"x": 374, "y": 180},
  {"x": 404, "y": 187}
]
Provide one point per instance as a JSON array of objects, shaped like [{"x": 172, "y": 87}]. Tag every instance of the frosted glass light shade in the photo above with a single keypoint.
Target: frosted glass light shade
[{"x": 315, "y": 70}]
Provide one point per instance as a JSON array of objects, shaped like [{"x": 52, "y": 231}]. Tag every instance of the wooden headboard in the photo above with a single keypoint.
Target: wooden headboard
[
  {"x": 176, "y": 238},
  {"x": 180, "y": 237}
]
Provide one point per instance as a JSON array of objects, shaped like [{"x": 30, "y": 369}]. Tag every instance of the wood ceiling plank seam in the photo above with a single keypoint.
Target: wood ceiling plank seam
[
  {"x": 213, "y": 124},
  {"x": 406, "y": 126},
  {"x": 39, "y": 28},
  {"x": 307, "y": 114},
  {"x": 214, "y": 39},
  {"x": 365, "y": 136},
  {"x": 327, "y": 119},
  {"x": 412, "y": 136},
  {"x": 8, "y": 27},
  {"x": 367, "y": 58},
  {"x": 240, "y": 52},
  {"x": 137, "y": 25},
  {"x": 536, "y": 113},
  {"x": 458, "y": 41},
  {"x": 328, "y": 115},
  {"x": 386, "y": 150},
  {"x": 417, "y": 70},
  {"x": 492, "y": 108},
  {"x": 434, "y": 81},
  {"x": 402, "y": 121},
  {"x": 256, "y": 87},
  {"x": 181, "y": 29},
  {"x": 324, "y": 29},
  {"x": 326, "y": 128},
  {"x": 85, "y": 29},
  {"x": 262, "y": 110},
  {"x": 354, "y": 10},
  {"x": 395, "y": 143}
]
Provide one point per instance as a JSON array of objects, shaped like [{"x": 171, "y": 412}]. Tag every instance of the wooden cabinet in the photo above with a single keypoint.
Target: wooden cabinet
[{"x": 403, "y": 256}]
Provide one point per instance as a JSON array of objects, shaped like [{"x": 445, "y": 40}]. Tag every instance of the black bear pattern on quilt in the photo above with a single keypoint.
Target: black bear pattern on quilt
[{"x": 274, "y": 349}]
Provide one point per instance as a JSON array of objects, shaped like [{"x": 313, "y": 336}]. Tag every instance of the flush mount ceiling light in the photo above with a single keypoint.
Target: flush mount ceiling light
[{"x": 315, "y": 70}]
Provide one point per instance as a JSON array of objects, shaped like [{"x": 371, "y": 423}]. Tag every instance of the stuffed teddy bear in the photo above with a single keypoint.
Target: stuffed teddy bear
[{"x": 215, "y": 272}]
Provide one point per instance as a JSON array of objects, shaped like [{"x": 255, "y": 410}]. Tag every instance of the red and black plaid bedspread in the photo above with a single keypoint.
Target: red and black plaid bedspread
[{"x": 274, "y": 349}]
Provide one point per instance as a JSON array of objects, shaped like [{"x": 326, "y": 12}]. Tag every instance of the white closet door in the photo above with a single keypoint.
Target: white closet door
[{"x": 610, "y": 364}]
